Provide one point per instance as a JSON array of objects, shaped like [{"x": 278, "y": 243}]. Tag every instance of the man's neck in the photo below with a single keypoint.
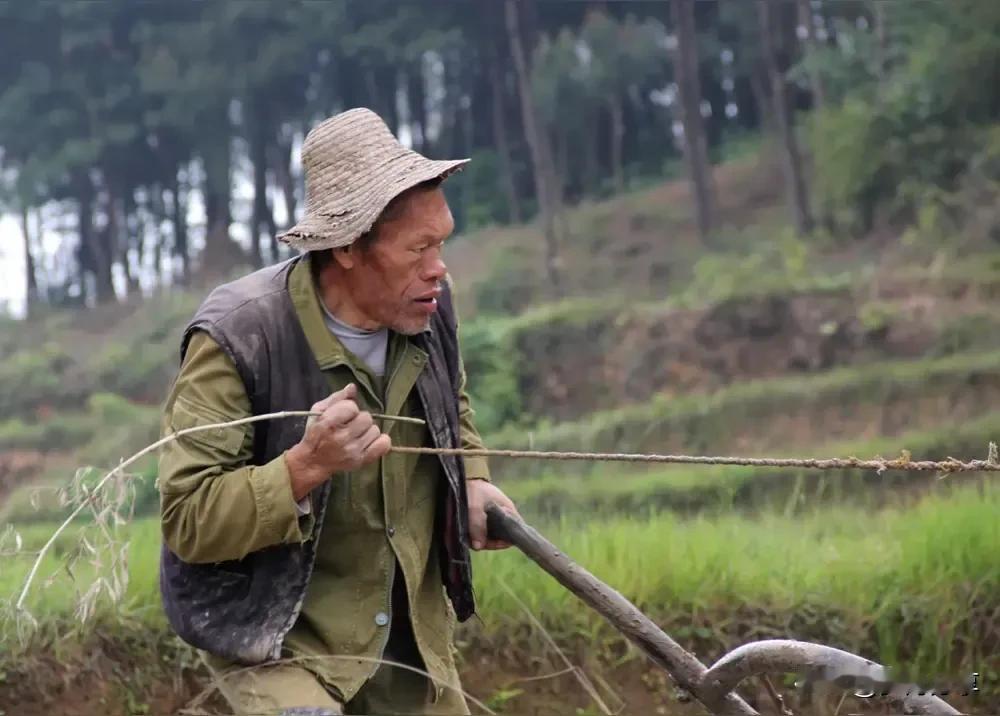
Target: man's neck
[{"x": 331, "y": 289}]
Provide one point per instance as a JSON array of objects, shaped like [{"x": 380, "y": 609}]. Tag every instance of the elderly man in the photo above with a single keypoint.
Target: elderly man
[{"x": 310, "y": 538}]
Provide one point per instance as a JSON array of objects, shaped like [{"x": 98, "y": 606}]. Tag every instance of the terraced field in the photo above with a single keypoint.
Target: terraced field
[{"x": 832, "y": 361}]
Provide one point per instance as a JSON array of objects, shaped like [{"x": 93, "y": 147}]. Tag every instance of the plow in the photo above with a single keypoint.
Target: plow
[{"x": 714, "y": 686}]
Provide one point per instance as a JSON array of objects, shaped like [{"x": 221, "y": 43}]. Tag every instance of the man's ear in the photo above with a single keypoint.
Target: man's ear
[{"x": 344, "y": 256}]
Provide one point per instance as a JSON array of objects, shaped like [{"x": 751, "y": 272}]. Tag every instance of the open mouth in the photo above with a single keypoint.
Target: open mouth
[{"x": 427, "y": 305}]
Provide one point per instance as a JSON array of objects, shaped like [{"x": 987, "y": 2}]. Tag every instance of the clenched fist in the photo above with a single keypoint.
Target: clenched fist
[
  {"x": 342, "y": 438},
  {"x": 481, "y": 493}
]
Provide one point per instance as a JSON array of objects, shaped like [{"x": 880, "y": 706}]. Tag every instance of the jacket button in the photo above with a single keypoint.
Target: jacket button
[
  {"x": 391, "y": 531},
  {"x": 417, "y": 359},
  {"x": 381, "y": 618}
]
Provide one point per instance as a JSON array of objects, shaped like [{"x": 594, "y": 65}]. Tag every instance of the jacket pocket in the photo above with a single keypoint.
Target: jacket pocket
[{"x": 186, "y": 415}]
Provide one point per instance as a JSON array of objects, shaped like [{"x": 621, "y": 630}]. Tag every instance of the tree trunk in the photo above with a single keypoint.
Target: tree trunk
[
  {"x": 158, "y": 210},
  {"x": 811, "y": 44},
  {"x": 592, "y": 160},
  {"x": 689, "y": 87},
  {"x": 221, "y": 253},
  {"x": 179, "y": 216},
  {"x": 258, "y": 158},
  {"x": 140, "y": 227},
  {"x": 95, "y": 253},
  {"x": 546, "y": 184},
  {"x": 271, "y": 226},
  {"x": 32, "y": 296},
  {"x": 561, "y": 145},
  {"x": 500, "y": 139},
  {"x": 448, "y": 138},
  {"x": 112, "y": 234},
  {"x": 881, "y": 41},
  {"x": 468, "y": 149},
  {"x": 416, "y": 100},
  {"x": 761, "y": 98},
  {"x": 617, "y": 136},
  {"x": 129, "y": 236},
  {"x": 374, "y": 95},
  {"x": 795, "y": 182},
  {"x": 389, "y": 79},
  {"x": 281, "y": 163}
]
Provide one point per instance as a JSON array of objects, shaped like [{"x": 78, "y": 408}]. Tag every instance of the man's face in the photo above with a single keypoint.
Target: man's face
[{"x": 396, "y": 281}]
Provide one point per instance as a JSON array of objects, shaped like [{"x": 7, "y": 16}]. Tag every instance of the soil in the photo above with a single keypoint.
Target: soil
[
  {"x": 630, "y": 357},
  {"x": 508, "y": 681},
  {"x": 17, "y": 466}
]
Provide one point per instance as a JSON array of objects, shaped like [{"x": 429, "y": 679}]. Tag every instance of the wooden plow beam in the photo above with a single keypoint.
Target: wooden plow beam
[{"x": 713, "y": 687}]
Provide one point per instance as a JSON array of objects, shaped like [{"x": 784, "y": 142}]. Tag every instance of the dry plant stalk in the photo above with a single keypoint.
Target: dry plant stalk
[
  {"x": 88, "y": 495},
  {"x": 571, "y": 668}
]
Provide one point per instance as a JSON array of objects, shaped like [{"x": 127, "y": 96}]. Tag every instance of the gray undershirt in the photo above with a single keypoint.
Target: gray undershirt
[{"x": 369, "y": 346}]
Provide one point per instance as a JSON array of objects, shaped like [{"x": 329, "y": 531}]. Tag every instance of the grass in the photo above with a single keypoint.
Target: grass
[
  {"x": 904, "y": 584},
  {"x": 57, "y": 590},
  {"x": 911, "y": 585}
]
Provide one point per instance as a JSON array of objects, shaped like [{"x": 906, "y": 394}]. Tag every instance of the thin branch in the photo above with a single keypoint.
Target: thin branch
[{"x": 19, "y": 605}]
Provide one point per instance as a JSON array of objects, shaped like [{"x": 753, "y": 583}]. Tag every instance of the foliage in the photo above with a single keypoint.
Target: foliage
[
  {"x": 965, "y": 333},
  {"x": 509, "y": 286},
  {"x": 902, "y": 134},
  {"x": 492, "y": 372},
  {"x": 782, "y": 261},
  {"x": 582, "y": 78},
  {"x": 29, "y": 379}
]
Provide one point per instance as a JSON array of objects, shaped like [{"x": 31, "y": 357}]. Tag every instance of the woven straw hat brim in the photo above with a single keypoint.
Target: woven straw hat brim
[{"x": 349, "y": 215}]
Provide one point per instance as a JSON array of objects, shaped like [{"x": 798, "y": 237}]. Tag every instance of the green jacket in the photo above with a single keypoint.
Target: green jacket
[{"x": 216, "y": 506}]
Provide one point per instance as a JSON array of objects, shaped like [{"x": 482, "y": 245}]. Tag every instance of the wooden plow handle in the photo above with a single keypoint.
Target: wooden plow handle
[{"x": 712, "y": 687}]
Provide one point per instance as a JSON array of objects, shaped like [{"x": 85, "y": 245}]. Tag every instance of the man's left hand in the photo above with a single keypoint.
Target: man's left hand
[{"x": 482, "y": 493}]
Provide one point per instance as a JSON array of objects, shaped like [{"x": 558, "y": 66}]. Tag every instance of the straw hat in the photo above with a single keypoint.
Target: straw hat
[{"x": 354, "y": 167}]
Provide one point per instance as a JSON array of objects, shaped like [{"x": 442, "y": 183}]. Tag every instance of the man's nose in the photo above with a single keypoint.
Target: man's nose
[{"x": 435, "y": 269}]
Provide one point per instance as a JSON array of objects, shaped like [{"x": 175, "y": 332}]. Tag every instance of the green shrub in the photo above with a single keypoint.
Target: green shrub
[
  {"x": 901, "y": 139},
  {"x": 969, "y": 332},
  {"x": 510, "y": 285},
  {"x": 62, "y": 431},
  {"x": 492, "y": 367},
  {"x": 32, "y": 378}
]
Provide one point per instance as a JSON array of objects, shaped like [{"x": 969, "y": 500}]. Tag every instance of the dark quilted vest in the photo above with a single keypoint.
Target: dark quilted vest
[{"x": 241, "y": 610}]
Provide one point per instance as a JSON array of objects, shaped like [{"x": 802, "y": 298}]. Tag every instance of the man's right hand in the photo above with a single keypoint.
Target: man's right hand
[{"x": 342, "y": 438}]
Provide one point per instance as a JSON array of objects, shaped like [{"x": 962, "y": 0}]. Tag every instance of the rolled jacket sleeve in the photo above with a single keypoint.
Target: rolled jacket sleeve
[{"x": 215, "y": 505}]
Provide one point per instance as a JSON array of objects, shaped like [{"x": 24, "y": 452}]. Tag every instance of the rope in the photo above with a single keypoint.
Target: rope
[{"x": 879, "y": 465}]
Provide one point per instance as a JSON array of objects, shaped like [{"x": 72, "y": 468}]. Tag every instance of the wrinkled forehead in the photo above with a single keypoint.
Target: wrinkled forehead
[{"x": 422, "y": 216}]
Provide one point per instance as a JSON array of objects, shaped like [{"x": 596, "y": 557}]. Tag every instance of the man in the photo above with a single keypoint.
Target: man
[{"x": 307, "y": 540}]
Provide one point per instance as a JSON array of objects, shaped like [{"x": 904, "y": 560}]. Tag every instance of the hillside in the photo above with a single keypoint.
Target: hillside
[
  {"x": 760, "y": 344},
  {"x": 651, "y": 322}
]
